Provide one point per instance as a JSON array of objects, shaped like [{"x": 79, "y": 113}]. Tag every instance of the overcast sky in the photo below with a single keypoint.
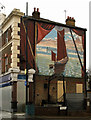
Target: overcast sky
[{"x": 54, "y": 10}]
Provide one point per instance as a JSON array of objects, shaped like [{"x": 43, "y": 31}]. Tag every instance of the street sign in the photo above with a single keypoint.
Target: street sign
[
  {"x": 21, "y": 77},
  {"x": 25, "y": 83}
]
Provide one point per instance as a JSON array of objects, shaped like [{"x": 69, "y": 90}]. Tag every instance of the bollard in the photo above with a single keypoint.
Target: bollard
[{"x": 88, "y": 105}]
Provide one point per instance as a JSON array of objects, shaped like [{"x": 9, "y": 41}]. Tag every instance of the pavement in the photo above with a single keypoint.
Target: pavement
[{"x": 22, "y": 116}]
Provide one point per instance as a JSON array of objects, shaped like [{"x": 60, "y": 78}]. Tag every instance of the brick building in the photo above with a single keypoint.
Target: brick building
[
  {"x": 13, "y": 64},
  {"x": 9, "y": 60}
]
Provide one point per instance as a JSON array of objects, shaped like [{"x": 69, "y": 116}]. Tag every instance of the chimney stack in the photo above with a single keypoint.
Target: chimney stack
[
  {"x": 36, "y": 14},
  {"x": 70, "y": 21}
]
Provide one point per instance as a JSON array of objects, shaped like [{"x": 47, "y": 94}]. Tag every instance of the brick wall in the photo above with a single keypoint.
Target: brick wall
[
  {"x": 31, "y": 44},
  {"x": 71, "y": 84},
  {"x": 41, "y": 89}
]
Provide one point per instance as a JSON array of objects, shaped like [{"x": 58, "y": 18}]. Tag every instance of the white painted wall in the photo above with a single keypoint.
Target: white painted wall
[
  {"x": 21, "y": 95},
  {"x": 6, "y": 98}
]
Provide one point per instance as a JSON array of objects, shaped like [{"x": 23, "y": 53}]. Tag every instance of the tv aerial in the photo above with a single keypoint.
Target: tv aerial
[
  {"x": 2, "y": 7},
  {"x": 65, "y": 14}
]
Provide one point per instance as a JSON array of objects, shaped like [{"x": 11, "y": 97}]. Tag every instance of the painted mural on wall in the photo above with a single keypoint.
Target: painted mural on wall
[
  {"x": 73, "y": 67},
  {"x": 43, "y": 50},
  {"x": 55, "y": 53}
]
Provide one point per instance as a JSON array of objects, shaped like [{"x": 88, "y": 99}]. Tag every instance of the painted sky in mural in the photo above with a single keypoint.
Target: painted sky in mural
[{"x": 49, "y": 44}]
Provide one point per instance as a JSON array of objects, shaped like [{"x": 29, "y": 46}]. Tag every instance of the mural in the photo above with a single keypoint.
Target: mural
[
  {"x": 43, "y": 53},
  {"x": 73, "y": 67},
  {"x": 55, "y": 51},
  {"x": 51, "y": 49}
]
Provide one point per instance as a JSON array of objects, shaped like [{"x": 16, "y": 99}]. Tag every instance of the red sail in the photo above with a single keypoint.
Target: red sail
[
  {"x": 61, "y": 47},
  {"x": 81, "y": 33},
  {"x": 43, "y": 30},
  {"x": 53, "y": 56}
]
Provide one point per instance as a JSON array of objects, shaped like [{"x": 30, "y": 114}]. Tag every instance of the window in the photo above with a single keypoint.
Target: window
[
  {"x": 9, "y": 34},
  {"x": 6, "y": 64},
  {"x": 60, "y": 90},
  {"x": 79, "y": 88},
  {"x": 6, "y": 38},
  {"x": 0, "y": 66}
]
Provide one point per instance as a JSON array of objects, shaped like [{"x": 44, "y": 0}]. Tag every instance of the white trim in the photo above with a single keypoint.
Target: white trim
[
  {"x": 1, "y": 75},
  {"x": 6, "y": 45}
]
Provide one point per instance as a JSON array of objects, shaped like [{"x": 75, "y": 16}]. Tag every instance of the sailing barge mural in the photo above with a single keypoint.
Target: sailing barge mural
[
  {"x": 56, "y": 53},
  {"x": 51, "y": 49}
]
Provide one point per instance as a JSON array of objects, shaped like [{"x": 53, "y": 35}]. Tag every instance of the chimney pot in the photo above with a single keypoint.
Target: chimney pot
[
  {"x": 37, "y": 9},
  {"x": 36, "y": 14},
  {"x": 67, "y": 17},
  {"x": 34, "y": 9}
]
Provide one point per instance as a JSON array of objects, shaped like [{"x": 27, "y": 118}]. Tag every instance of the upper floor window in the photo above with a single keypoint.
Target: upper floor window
[
  {"x": 6, "y": 63},
  {"x": 0, "y": 65},
  {"x": 6, "y": 37}
]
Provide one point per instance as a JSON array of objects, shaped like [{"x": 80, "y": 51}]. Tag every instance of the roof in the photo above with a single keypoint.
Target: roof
[
  {"x": 15, "y": 12},
  {"x": 52, "y": 22}
]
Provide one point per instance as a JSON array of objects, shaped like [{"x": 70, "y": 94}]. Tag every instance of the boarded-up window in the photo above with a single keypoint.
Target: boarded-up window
[
  {"x": 60, "y": 91},
  {"x": 79, "y": 88}
]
